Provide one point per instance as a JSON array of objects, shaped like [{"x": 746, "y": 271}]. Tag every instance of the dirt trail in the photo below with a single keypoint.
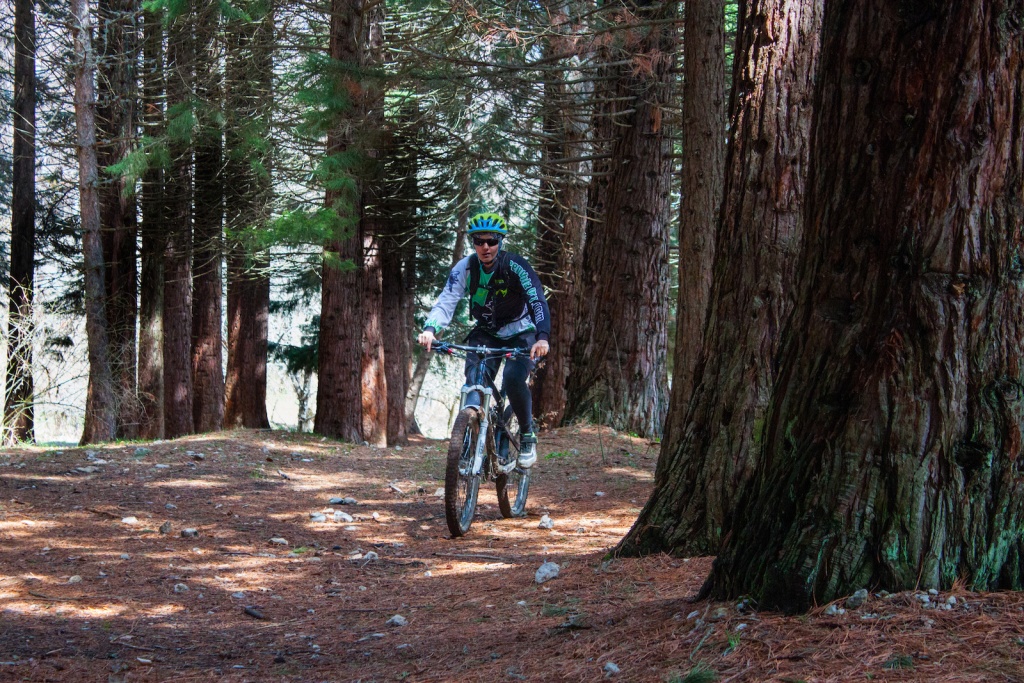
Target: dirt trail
[{"x": 88, "y": 594}]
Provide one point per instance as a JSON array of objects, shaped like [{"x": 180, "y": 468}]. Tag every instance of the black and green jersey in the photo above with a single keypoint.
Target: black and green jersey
[{"x": 506, "y": 302}]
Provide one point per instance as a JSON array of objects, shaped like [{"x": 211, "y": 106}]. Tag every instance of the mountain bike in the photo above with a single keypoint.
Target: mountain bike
[{"x": 484, "y": 443}]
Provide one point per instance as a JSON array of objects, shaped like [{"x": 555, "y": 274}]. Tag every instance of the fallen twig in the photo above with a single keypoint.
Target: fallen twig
[
  {"x": 52, "y": 599},
  {"x": 395, "y": 488},
  {"x": 476, "y": 556},
  {"x": 111, "y": 515}
]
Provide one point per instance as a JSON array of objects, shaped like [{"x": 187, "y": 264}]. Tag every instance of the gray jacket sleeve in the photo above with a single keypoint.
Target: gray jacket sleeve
[{"x": 456, "y": 287}]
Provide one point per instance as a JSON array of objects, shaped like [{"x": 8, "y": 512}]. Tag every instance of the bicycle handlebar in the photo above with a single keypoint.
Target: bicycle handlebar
[{"x": 448, "y": 347}]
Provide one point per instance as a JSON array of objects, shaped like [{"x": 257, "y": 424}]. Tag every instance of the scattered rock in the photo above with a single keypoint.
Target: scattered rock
[
  {"x": 139, "y": 452},
  {"x": 834, "y": 610},
  {"x": 162, "y": 466},
  {"x": 439, "y": 493},
  {"x": 165, "y": 528},
  {"x": 199, "y": 456},
  {"x": 317, "y": 517},
  {"x": 932, "y": 591},
  {"x": 371, "y": 556},
  {"x": 238, "y": 595},
  {"x": 546, "y": 572},
  {"x": 951, "y": 600},
  {"x": 253, "y": 612},
  {"x": 190, "y": 533},
  {"x": 129, "y": 520},
  {"x": 340, "y": 516},
  {"x": 277, "y": 540},
  {"x": 88, "y": 469},
  {"x": 343, "y": 501},
  {"x": 376, "y": 516},
  {"x": 125, "y": 556},
  {"x": 170, "y": 506},
  {"x": 75, "y": 579},
  {"x": 397, "y": 620},
  {"x": 180, "y": 588},
  {"x": 598, "y": 493},
  {"x": 610, "y": 669},
  {"x": 857, "y": 599},
  {"x": 546, "y": 523},
  {"x": 693, "y": 615}
]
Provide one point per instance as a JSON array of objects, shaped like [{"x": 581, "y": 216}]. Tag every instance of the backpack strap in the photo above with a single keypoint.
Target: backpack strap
[{"x": 474, "y": 275}]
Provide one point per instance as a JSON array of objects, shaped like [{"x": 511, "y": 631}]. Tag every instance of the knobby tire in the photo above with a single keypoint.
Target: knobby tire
[
  {"x": 514, "y": 487},
  {"x": 460, "y": 490}
]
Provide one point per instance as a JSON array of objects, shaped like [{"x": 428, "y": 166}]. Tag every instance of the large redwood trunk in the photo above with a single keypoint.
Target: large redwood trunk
[
  {"x": 248, "y": 188},
  {"x": 100, "y": 408},
  {"x": 712, "y": 442},
  {"x": 116, "y": 131},
  {"x": 208, "y": 246},
  {"x": 561, "y": 218},
  {"x": 177, "y": 266},
  {"x": 892, "y": 449},
  {"x": 351, "y": 389},
  {"x": 151, "y": 204},
  {"x": 19, "y": 411},
  {"x": 618, "y": 363}
]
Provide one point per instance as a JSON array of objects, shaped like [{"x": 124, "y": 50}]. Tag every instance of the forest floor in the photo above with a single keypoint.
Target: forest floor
[{"x": 91, "y": 588}]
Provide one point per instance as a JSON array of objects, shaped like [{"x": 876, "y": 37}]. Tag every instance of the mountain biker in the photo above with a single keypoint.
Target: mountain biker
[{"x": 508, "y": 304}]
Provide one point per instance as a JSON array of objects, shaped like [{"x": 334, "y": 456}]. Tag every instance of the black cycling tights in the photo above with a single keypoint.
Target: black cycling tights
[{"x": 514, "y": 376}]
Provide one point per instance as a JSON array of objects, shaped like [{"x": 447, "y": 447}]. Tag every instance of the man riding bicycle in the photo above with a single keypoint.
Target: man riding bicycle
[{"x": 507, "y": 302}]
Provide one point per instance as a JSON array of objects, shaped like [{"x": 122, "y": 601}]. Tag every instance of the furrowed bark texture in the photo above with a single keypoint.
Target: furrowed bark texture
[
  {"x": 701, "y": 191},
  {"x": 19, "y": 412},
  {"x": 100, "y": 408},
  {"x": 116, "y": 132},
  {"x": 177, "y": 314},
  {"x": 151, "y": 299},
  {"x": 618, "y": 366},
  {"x": 208, "y": 243},
  {"x": 248, "y": 189},
  {"x": 562, "y": 216},
  {"x": 339, "y": 398},
  {"x": 712, "y": 442},
  {"x": 893, "y": 443}
]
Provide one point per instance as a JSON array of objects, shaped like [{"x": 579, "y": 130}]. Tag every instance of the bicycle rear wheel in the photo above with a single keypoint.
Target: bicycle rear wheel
[
  {"x": 460, "y": 484},
  {"x": 513, "y": 487}
]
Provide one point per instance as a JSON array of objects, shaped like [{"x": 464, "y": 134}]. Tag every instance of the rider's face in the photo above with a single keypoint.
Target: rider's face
[{"x": 487, "y": 245}]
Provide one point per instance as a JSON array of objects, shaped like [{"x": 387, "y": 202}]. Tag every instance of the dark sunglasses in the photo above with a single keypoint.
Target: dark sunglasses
[{"x": 477, "y": 242}]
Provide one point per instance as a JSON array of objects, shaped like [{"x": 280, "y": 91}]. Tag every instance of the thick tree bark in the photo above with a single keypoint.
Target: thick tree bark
[
  {"x": 712, "y": 442},
  {"x": 351, "y": 390},
  {"x": 177, "y": 314},
  {"x": 208, "y": 246},
  {"x": 100, "y": 408},
  {"x": 562, "y": 215},
  {"x": 248, "y": 188},
  {"x": 892, "y": 446},
  {"x": 116, "y": 131},
  {"x": 701, "y": 188},
  {"x": 150, "y": 359},
  {"x": 618, "y": 363},
  {"x": 19, "y": 411}
]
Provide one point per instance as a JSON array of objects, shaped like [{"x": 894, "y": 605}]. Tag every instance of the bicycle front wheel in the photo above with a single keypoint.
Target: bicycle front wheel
[
  {"x": 513, "y": 487},
  {"x": 460, "y": 484}
]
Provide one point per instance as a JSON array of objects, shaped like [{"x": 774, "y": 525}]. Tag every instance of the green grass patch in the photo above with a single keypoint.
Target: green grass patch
[
  {"x": 900, "y": 662},
  {"x": 556, "y": 455}
]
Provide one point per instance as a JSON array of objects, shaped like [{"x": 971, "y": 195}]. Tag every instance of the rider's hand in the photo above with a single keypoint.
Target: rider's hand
[
  {"x": 425, "y": 339},
  {"x": 539, "y": 350}
]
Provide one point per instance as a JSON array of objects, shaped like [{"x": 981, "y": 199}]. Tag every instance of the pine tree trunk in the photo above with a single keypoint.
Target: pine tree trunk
[
  {"x": 561, "y": 223},
  {"x": 701, "y": 189},
  {"x": 177, "y": 314},
  {"x": 208, "y": 247},
  {"x": 19, "y": 411},
  {"x": 712, "y": 444},
  {"x": 151, "y": 300},
  {"x": 248, "y": 187},
  {"x": 892, "y": 446},
  {"x": 100, "y": 408},
  {"x": 117, "y": 119},
  {"x": 618, "y": 363},
  {"x": 397, "y": 350}
]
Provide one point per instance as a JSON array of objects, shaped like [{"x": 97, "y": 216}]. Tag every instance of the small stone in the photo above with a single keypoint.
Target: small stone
[
  {"x": 90, "y": 454},
  {"x": 340, "y": 516},
  {"x": 546, "y": 523},
  {"x": 129, "y": 520},
  {"x": 598, "y": 493},
  {"x": 428, "y": 573},
  {"x": 951, "y": 600},
  {"x": 190, "y": 533},
  {"x": 857, "y": 599},
  {"x": 398, "y": 448},
  {"x": 397, "y": 620},
  {"x": 165, "y": 528},
  {"x": 277, "y": 540},
  {"x": 139, "y": 452},
  {"x": 546, "y": 572},
  {"x": 75, "y": 579},
  {"x": 831, "y": 610},
  {"x": 932, "y": 592},
  {"x": 693, "y": 615},
  {"x": 238, "y": 595},
  {"x": 376, "y": 516},
  {"x": 371, "y": 556},
  {"x": 199, "y": 456},
  {"x": 317, "y": 517},
  {"x": 125, "y": 556},
  {"x": 610, "y": 669},
  {"x": 719, "y": 614},
  {"x": 439, "y": 493},
  {"x": 741, "y": 627},
  {"x": 180, "y": 588},
  {"x": 170, "y": 506},
  {"x": 923, "y": 599},
  {"x": 162, "y": 467},
  {"x": 343, "y": 501},
  {"x": 88, "y": 469}
]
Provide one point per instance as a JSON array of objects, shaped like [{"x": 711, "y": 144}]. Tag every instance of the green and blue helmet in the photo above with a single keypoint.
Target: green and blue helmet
[{"x": 487, "y": 222}]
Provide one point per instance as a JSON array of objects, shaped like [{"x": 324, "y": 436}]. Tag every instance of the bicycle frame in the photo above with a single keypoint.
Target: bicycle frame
[{"x": 487, "y": 394}]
